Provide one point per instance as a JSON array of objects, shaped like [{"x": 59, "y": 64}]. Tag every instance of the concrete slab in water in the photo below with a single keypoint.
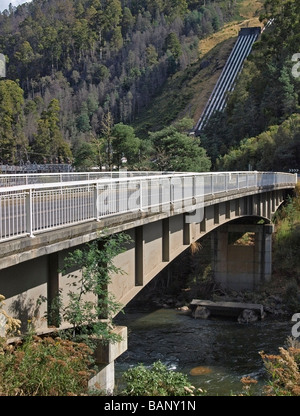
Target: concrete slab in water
[{"x": 227, "y": 308}]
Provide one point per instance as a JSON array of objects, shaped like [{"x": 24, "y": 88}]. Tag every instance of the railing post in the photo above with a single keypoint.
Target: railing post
[
  {"x": 194, "y": 187},
  {"x": 95, "y": 202},
  {"x": 141, "y": 195},
  {"x": 29, "y": 213}
]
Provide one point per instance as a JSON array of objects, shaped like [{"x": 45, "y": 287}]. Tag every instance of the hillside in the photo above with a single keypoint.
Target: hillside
[
  {"x": 76, "y": 69},
  {"x": 260, "y": 127},
  {"x": 74, "y": 65},
  {"x": 187, "y": 92},
  {"x": 90, "y": 81}
]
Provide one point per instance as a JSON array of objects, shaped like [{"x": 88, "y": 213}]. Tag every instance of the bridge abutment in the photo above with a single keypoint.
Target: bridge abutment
[{"x": 242, "y": 255}]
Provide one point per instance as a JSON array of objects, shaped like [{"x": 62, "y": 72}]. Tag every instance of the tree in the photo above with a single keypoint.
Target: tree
[
  {"x": 175, "y": 8},
  {"x": 85, "y": 156},
  {"x": 275, "y": 149},
  {"x": 127, "y": 21},
  {"x": 173, "y": 45},
  {"x": 152, "y": 55},
  {"x": 177, "y": 151},
  {"x": 116, "y": 41},
  {"x": 106, "y": 138},
  {"x": 48, "y": 142},
  {"x": 83, "y": 120},
  {"x": 173, "y": 50},
  {"x": 91, "y": 307},
  {"x": 125, "y": 144},
  {"x": 11, "y": 116}
]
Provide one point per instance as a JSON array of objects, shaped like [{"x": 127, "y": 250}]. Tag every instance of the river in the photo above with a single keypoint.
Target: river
[{"x": 225, "y": 349}]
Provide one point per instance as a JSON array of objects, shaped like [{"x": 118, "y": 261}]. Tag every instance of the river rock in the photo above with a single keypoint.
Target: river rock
[
  {"x": 185, "y": 310},
  {"x": 201, "y": 312},
  {"x": 247, "y": 316}
]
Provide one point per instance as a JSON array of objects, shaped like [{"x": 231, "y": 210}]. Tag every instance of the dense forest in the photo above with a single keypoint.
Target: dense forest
[{"x": 79, "y": 71}]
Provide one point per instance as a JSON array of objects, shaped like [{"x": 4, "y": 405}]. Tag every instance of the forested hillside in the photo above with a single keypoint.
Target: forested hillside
[
  {"x": 261, "y": 125},
  {"x": 79, "y": 72},
  {"x": 81, "y": 76}
]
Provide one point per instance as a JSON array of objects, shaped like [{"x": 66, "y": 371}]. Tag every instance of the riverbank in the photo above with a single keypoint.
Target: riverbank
[{"x": 273, "y": 296}]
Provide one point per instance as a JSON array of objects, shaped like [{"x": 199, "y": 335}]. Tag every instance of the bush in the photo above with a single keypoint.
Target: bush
[
  {"x": 157, "y": 381},
  {"x": 283, "y": 371},
  {"x": 44, "y": 367}
]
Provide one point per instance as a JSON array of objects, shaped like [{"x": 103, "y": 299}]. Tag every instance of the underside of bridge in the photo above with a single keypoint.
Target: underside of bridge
[
  {"x": 242, "y": 254},
  {"x": 32, "y": 268}
]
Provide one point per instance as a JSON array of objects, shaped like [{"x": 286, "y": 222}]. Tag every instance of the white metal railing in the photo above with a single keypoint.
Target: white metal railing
[
  {"x": 26, "y": 210},
  {"x": 35, "y": 178}
]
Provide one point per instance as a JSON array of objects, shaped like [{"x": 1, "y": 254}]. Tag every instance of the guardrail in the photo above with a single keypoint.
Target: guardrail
[
  {"x": 26, "y": 210},
  {"x": 43, "y": 178}
]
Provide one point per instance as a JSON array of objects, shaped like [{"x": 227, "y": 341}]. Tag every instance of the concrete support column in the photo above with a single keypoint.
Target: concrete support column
[
  {"x": 216, "y": 214},
  {"x": 139, "y": 256},
  {"x": 166, "y": 240},
  {"x": 227, "y": 210},
  {"x": 186, "y": 231},
  {"x": 268, "y": 230},
  {"x": 105, "y": 356},
  {"x": 53, "y": 289},
  {"x": 241, "y": 266},
  {"x": 203, "y": 222}
]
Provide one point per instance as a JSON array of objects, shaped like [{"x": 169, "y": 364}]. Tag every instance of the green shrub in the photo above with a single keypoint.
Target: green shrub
[{"x": 157, "y": 381}]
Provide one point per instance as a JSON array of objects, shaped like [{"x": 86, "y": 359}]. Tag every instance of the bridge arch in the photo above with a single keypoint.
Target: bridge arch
[
  {"x": 29, "y": 266},
  {"x": 35, "y": 242}
]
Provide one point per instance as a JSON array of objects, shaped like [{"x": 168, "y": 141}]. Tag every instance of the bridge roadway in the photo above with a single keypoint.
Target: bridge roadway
[{"x": 42, "y": 222}]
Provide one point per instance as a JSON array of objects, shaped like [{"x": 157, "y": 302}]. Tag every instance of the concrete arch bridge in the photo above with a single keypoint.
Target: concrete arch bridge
[{"x": 44, "y": 217}]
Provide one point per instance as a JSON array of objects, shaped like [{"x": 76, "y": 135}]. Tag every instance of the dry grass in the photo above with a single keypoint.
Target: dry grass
[
  {"x": 249, "y": 11},
  {"x": 203, "y": 83}
]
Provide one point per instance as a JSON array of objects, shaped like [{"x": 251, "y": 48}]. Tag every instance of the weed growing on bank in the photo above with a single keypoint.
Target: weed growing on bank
[
  {"x": 157, "y": 381},
  {"x": 46, "y": 366},
  {"x": 283, "y": 370}
]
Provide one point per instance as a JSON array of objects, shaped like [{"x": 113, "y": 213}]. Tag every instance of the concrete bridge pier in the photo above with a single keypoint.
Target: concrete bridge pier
[{"x": 242, "y": 255}]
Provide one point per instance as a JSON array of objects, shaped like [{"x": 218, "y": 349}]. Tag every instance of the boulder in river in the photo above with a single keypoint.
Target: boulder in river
[
  {"x": 201, "y": 312},
  {"x": 247, "y": 316}
]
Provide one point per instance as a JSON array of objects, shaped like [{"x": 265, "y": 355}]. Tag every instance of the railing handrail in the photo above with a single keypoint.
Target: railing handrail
[
  {"x": 156, "y": 175},
  {"x": 26, "y": 210},
  {"x": 100, "y": 175}
]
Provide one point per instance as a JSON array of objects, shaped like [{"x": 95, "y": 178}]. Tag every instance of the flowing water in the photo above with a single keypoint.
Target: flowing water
[{"x": 214, "y": 353}]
